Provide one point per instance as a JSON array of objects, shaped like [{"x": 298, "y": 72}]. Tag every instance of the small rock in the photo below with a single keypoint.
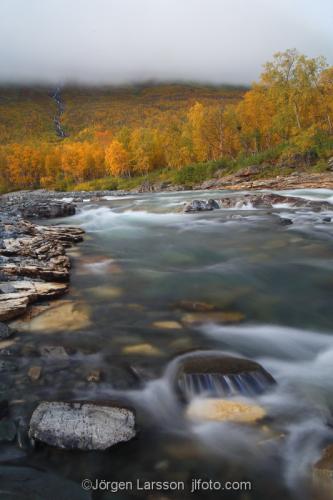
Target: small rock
[
  {"x": 94, "y": 376},
  {"x": 50, "y": 351},
  {"x": 34, "y": 373},
  {"x": 327, "y": 219},
  {"x": 167, "y": 325},
  {"x": 286, "y": 222},
  {"x": 146, "y": 349},
  {"x": 5, "y": 331},
  {"x": 223, "y": 410},
  {"x": 82, "y": 425}
]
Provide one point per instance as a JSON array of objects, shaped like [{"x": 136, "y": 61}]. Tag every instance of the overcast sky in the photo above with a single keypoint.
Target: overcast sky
[{"x": 114, "y": 41}]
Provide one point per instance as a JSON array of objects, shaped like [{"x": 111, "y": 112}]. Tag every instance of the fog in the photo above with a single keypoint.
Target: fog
[{"x": 118, "y": 41}]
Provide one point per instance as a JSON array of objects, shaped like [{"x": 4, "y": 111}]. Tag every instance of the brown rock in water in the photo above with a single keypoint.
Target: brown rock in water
[
  {"x": 322, "y": 472},
  {"x": 63, "y": 315},
  {"x": 223, "y": 410},
  {"x": 94, "y": 376},
  {"x": 34, "y": 373},
  {"x": 226, "y": 317}
]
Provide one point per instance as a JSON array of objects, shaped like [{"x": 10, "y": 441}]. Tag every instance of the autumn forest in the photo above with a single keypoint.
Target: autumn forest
[{"x": 122, "y": 133}]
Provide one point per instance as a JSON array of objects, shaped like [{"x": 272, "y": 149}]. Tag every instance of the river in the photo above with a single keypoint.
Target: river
[{"x": 141, "y": 258}]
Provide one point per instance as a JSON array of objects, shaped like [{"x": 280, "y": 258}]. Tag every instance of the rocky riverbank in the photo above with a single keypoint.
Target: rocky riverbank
[{"x": 33, "y": 260}]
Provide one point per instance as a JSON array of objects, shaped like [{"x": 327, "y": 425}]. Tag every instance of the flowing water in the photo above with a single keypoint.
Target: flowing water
[{"x": 141, "y": 257}]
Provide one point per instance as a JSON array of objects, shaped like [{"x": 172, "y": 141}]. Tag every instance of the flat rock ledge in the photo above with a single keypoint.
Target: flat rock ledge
[
  {"x": 33, "y": 263},
  {"x": 83, "y": 425}
]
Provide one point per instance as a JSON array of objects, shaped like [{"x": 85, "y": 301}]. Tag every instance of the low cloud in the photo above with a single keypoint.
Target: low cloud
[{"x": 119, "y": 41}]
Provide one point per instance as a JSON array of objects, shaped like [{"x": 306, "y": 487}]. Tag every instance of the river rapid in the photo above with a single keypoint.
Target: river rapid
[{"x": 140, "y": 258}]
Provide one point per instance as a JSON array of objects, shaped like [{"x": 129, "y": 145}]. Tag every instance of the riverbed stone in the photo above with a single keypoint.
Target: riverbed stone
[
  {"x": 224, "y": 410},
  {"x": 142, "y": 349},
  {"x": 60, "y": 316},
  {"x": 5, "y": 331},
  {"x": 34, "y": 373},
  {"x": 225, "y": 317},
  {"x": 83, "y": 425}
]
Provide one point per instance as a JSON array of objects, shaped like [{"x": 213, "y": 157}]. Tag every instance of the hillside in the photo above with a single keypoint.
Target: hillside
[
  {"x": 26, "y": 114},
  {"x": 116, "y": 137}
]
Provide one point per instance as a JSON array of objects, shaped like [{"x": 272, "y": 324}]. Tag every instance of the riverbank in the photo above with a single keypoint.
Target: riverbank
[{"x": 33, "y": 260}]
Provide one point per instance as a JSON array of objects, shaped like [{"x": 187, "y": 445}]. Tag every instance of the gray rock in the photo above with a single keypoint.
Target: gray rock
[
  {"x": 82, "y": 425},
  {"x": 201, "y": 206},
  {"x": 5, "y": 331},
  {"x": 53, "y": 351}
]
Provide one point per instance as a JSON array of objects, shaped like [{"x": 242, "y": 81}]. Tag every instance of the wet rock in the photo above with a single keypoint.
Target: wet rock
[
  {"x": 12, "y": 307},
  {"x": 193, "y": 306},
  {"x": 322, "y": 470},
  {"x": 225, "y": 317},
  {"x": 217, "y": 375},
  {"x": 60, "y": 316},
  {"x": 94, "y": 376},
  {"x": 47, "y": 210},
  {"x": 52, "y": 351},
  {"x": 82, "y": 425},
  {"x": 142, "y": 349},
  {"x": 223, "y": 410},
  {"x": 7, "y": 430},
  {"x": 285, "y": 222},
  {"x": 26, "y": 483},
  {"x": 269, "y": 200},
  {"x": 327, "y": 219},
  {"x": 5, "y": 331},
  {"x": 34, "y": 373},
  {"x": 201, "y": 206},
  {"x": 167, "y": 325}
]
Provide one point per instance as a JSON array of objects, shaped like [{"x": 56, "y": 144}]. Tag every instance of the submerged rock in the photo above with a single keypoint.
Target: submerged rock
[
  {"x": 224, "y": 410},
  {"x": 194, "y": 306},
  {"x": 142, "y": 349},
  {"x": 322, "y": 470},
  {"x": 218, "y": 375},
  {"x": 85, "y": 425},
  {"x": 59, "y": 316},
  {"x": 225, "y": 317}
]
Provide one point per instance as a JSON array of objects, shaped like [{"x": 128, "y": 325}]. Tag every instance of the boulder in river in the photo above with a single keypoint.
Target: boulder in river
[
  {"x": 83, "y": 425},
  {"x": 214, "y": 374},
  {"x": 201, "y": 206}
]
